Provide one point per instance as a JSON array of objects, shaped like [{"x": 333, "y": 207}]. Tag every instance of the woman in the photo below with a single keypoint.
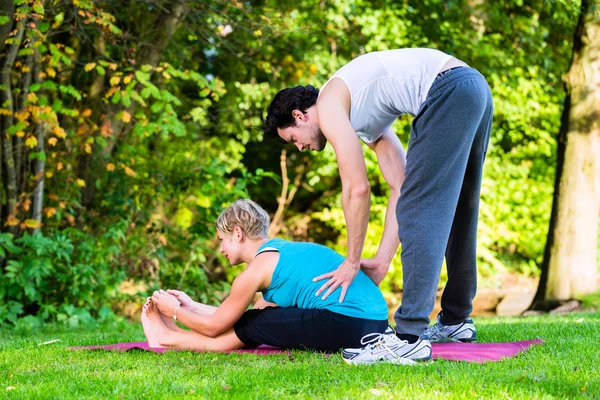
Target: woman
[{"x": 289, "y": 315}]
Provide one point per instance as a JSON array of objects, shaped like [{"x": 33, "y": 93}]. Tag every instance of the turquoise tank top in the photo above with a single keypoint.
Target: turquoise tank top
[{"x": 292, "y": 283}]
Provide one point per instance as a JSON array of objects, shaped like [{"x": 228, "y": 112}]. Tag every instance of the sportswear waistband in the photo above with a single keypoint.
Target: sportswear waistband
[{"x": 451, "y": 76}]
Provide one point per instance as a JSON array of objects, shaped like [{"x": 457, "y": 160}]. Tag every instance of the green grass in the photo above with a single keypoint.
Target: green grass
[{"x": 567, "y": 366}]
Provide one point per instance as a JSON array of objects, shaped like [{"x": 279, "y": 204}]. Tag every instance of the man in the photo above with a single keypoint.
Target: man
[{"x": 440, "y": 177}]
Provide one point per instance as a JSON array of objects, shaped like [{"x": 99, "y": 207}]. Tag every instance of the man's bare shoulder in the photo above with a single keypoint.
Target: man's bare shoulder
[{"x": 336, "y": 91}]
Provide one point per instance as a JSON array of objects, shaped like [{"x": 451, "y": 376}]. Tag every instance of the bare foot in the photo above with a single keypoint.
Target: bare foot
[{"x": 152, "y": 324}]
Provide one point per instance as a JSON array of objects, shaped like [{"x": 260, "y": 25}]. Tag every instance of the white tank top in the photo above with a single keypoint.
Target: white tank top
[{"x": 386, "y": 84}]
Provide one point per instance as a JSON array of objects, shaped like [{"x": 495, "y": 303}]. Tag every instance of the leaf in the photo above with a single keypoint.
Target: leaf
[
  {"x": 166, "y": 75},
  {"x": 38, "y": 8},
  {"x": 88, "y": 149},
  {"x": 100, "y": 70},
  {"x": 110, "y": 167},
  {"x": 114, "y": 81},
  {"x": 32, "y": 224},
  {"x": 20, "y": 134},
  {"x": 80, "y": 183},
  {"x": 51, "y": 72},
  {"x": 129, "y": 171},
  {"x": 12, "y": 221},
  {"x": 52, "y": 141},
  {"x": 32, "y": 98},
  {"x": 59, "y": 132},
  {"x": 126, "y": 117},
  {"x": 38, "y": 155},
  {"x": 127, "y": 79},
  {"x": 31, "y": 142},
  {"x": 89, "y": 67},
  {"x": 162, "y": 240},
  {"x": 86, "y": 113}
]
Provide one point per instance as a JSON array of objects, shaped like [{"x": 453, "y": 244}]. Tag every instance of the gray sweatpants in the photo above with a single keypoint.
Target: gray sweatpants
[{"x": 438, "y": 209}]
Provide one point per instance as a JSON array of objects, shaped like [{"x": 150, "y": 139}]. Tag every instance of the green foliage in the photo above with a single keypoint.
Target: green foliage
[
  {"x": 69, "y": 276},
  {"x": 143, "y": 149}
]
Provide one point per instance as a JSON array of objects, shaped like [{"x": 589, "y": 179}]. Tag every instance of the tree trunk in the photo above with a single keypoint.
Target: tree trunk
[
  {"x": 570, "y": 267},
  {"x": 39, "y": 172},
  {"x": 7, "y": 8},
  {"x": 166, "y": 26},
  {"x": 8, "y": 120},
  {"x": 19, "y": 148},
  {"x": 39, "y": 164}
]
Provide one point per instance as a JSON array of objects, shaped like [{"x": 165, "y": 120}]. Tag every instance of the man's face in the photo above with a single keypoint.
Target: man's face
[{"x": 306, "y": 135}]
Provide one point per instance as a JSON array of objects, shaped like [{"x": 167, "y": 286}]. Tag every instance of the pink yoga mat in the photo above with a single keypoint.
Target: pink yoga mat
[{"x": 470, "y": 352}]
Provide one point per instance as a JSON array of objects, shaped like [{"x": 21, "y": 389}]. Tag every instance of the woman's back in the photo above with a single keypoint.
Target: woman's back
[{"x": 292, "y": 282}]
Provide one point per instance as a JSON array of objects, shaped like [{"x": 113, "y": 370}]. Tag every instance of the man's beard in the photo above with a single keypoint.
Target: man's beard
[{"x": 320, "y": 141}]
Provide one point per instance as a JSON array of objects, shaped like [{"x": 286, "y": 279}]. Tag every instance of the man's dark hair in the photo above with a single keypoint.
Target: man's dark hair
[{"x": 279, "y": 113}]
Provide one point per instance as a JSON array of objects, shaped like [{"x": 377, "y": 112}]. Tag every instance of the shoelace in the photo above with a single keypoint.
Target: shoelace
[
  {"x": 432, "y": 330},
  {"x": 376, "y": 337},
  {"x": 373, "y": 340}
]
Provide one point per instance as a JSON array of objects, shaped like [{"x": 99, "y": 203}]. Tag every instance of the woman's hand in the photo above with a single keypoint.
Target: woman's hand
[
  {"x": 184, "y": 299},
  {"x": 166, "y": 303}
]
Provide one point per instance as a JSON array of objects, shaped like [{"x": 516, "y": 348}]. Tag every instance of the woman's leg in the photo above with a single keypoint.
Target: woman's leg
[
  {"x": 159, "y": 335},
  {"x": 300, "y": 328}
]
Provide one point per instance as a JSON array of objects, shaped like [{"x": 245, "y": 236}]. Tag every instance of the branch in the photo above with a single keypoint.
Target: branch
[{"x": 274, "y": 227}]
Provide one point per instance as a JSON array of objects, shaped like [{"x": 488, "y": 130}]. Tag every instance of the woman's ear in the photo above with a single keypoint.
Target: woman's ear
[{"x": 238, "y": 234}]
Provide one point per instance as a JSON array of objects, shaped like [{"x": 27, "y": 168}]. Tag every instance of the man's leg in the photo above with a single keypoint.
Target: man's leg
[
  {"x": 441, "y": 139},
  {"x": 461, "y": 257}
]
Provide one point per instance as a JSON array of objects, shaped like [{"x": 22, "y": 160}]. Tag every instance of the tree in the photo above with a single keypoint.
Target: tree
[{"x": 569, "y": 269}]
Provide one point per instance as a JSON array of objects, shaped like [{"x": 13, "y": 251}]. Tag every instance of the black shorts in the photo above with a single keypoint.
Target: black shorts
[{"x": 301, "y": 328}]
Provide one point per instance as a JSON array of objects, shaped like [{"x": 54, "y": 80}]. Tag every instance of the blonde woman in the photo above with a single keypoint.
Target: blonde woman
[{"x": 289, "y": 315}]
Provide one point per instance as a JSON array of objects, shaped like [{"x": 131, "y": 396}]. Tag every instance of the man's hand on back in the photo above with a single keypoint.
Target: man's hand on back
[
  {"x": 342, "y": 276},
  {"x": 375, "y": 269}
]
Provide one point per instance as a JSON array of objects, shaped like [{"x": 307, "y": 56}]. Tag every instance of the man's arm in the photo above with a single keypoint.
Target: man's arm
[
  {"x": 333, "y": 109},
  {"x": 391, "y": 158}
]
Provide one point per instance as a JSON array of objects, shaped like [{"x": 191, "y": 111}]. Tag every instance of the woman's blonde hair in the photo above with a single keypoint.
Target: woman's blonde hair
[{"x": 246, "y": 214}]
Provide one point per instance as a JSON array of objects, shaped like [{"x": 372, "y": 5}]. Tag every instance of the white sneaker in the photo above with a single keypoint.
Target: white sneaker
[
  {"x": 463, "y": 332},
  {"x": 387, "y": 347}
]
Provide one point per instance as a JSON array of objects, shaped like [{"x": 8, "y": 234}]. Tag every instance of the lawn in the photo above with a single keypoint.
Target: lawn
[{"x": 567, "y": 366}]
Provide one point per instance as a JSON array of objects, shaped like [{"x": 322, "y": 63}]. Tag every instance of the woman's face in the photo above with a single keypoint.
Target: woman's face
[{"x": 231, "y": 247}]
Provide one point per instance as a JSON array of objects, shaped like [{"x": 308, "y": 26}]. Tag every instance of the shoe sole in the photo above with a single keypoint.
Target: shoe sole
[
  {"x": 398, "y": 361},
  {"x": 451, "y": 340}
]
